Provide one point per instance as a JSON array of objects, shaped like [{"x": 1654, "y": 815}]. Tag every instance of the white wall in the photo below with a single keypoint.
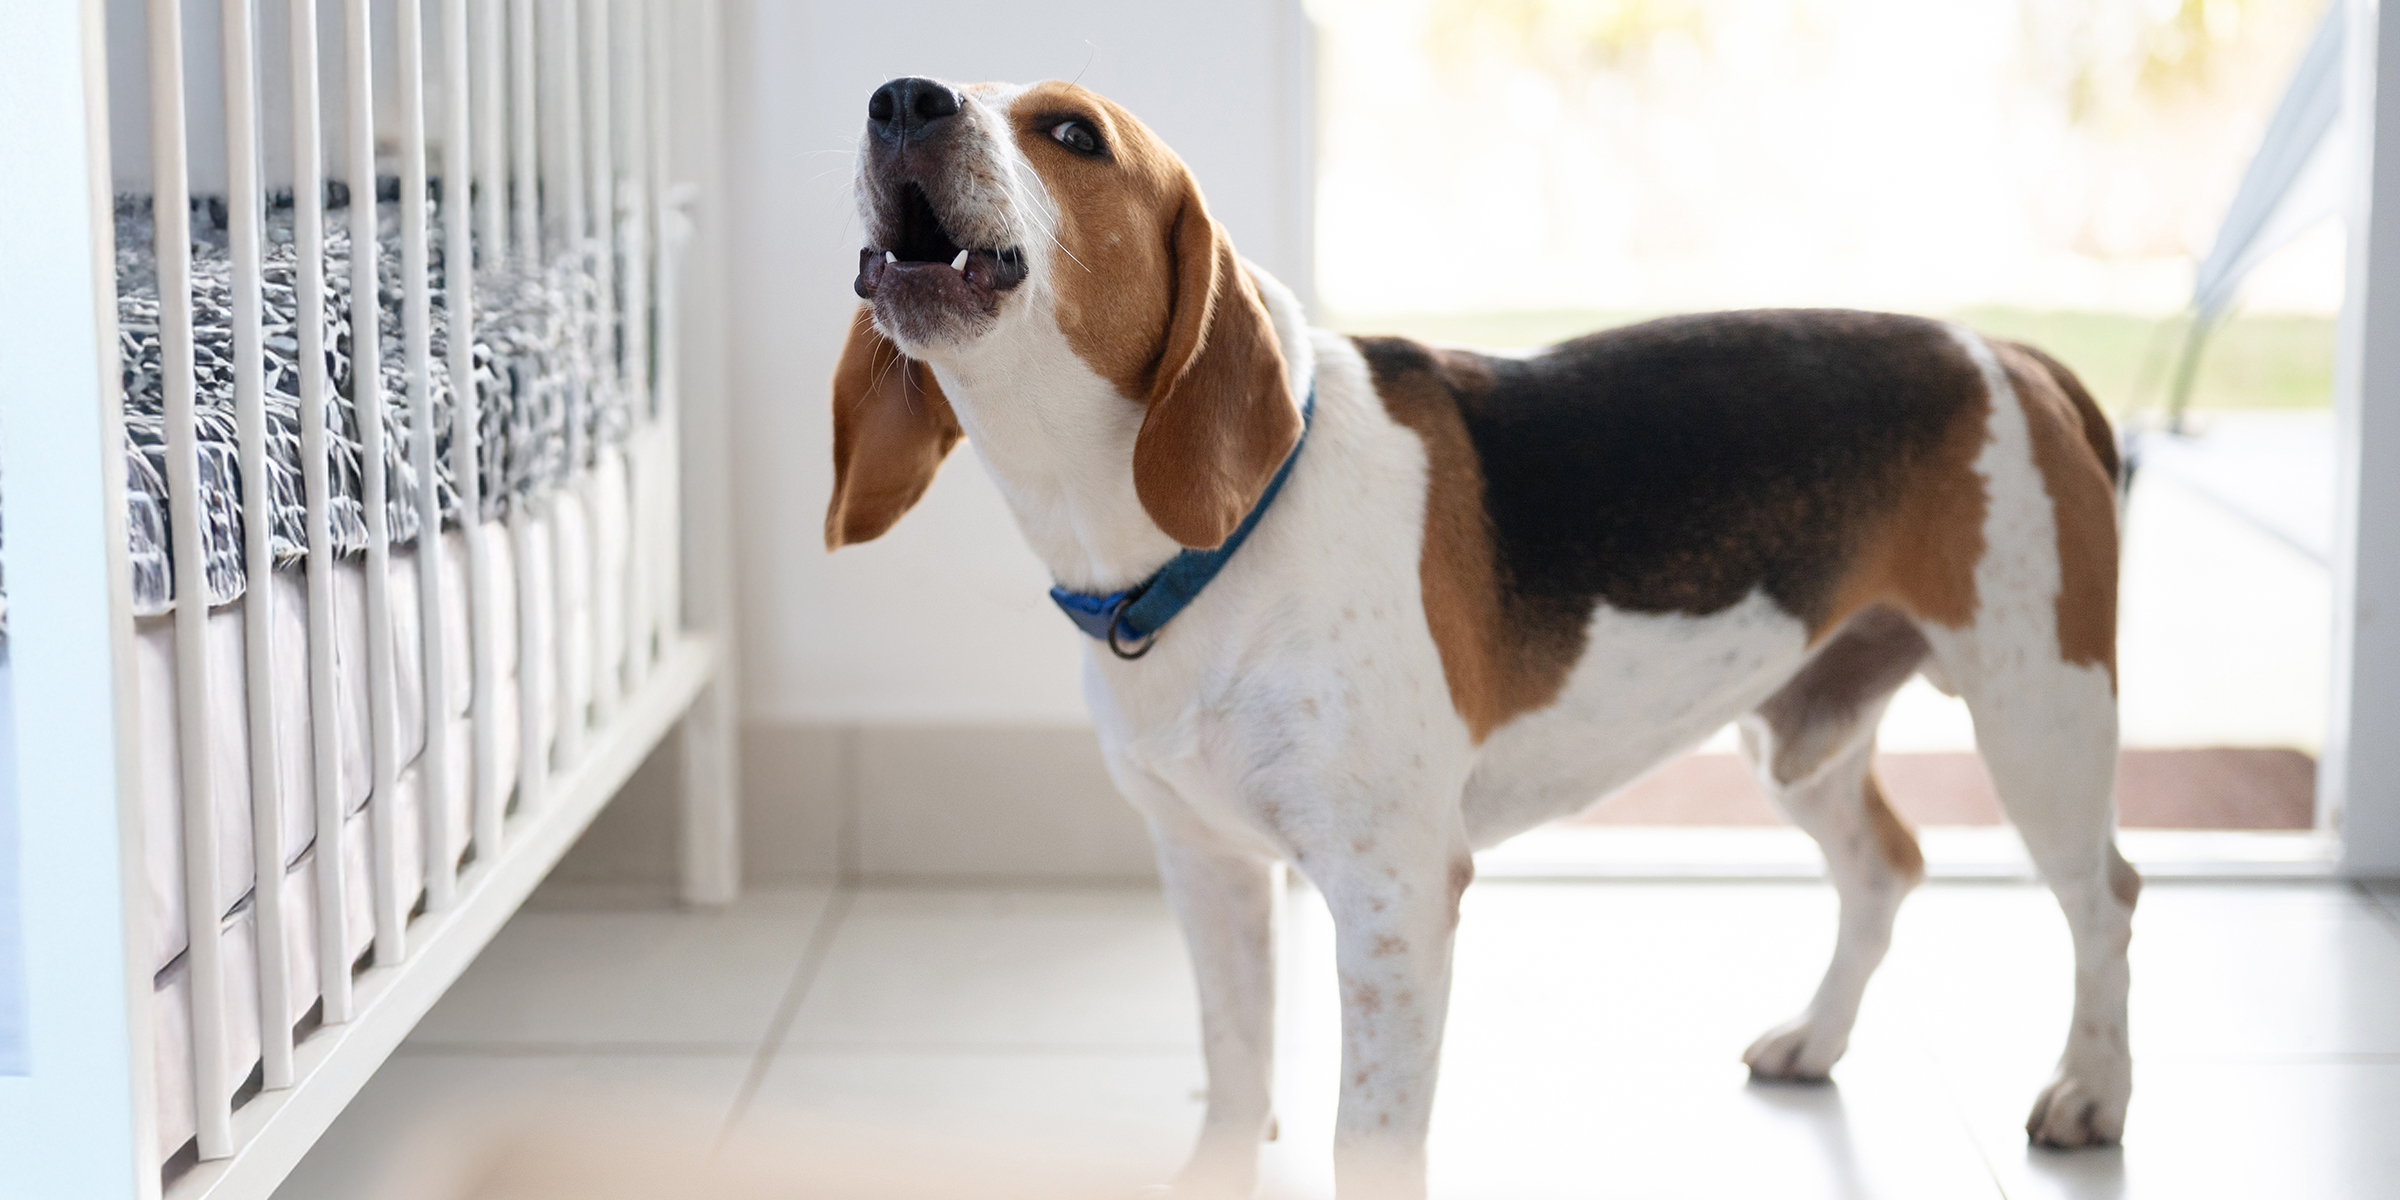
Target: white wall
[{"x": 946, "y": 619}]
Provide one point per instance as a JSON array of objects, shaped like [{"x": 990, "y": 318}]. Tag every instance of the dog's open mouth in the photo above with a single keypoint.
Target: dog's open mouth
[{"x": 924, "y": 261}]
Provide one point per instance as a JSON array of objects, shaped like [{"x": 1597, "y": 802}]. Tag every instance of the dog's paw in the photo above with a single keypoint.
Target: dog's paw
[
  {"x": 2081, "y": 1109},
  {"x": 1215, "y": 1173},
  {"x": 1794, "y": 1052}
]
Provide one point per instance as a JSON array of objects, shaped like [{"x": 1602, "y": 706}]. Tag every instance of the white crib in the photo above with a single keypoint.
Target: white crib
[{"x": 408, "y": 595}]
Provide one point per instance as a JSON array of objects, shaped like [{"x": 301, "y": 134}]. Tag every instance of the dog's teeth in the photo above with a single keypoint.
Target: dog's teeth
[
  {"x": 890, "y": 257},
  {"x": 959, "y": 263}
]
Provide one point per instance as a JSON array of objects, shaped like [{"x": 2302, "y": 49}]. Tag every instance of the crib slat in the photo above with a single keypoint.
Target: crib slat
[
  {"x": 487, "y": 49},
  {"x": 633, "y": 231},
  {"x": 600, "y": 151},
  {"x": 195, "y": 719},
  {"x": 563, "y": 177},
  {"x": 666, "y": 358},
  {"x": 244, "y": 216},
  {"x": 366, "y": 385},
  {"x": 458, "y": 252},
  {"x": 533, "y": 685},
  {"x": 636, "y": 198},
  {"x": 562, "y": 162},
  {"x": 524, "y": 83},
  {"x": 666, "y": 362},
  {"x": 324, "y": 687},
  {"x": 416, "y": 325},
  {"x": 533, "y": 690},
  {"x": 608, "y": 588}
]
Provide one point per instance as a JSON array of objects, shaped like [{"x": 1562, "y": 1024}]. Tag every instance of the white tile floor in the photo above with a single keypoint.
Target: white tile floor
[{"x": 1593, "y": 1038}]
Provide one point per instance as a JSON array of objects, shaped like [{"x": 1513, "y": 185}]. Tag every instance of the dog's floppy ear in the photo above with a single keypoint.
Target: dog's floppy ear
[
  {"x": 892, "y": 427},
  {"x": 1221, "y": 417}
]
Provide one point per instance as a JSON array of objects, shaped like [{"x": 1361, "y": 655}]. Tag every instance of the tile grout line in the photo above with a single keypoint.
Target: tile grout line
[
  {"x": 575, "y": 1050},
  {"x": 1956, "y": 1102},
  {"x": 940, "y": 1049},
  {"x": 812, "y": 960}
]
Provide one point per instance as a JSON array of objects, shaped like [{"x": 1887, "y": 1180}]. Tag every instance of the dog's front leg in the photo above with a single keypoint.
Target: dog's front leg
[
  {"x": 1225, "y": 901},
  {"x": 1394, "y": 916}
]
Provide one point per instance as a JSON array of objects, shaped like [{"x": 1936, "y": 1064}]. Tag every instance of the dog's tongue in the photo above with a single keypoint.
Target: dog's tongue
[{"x": 870, "y": 272}]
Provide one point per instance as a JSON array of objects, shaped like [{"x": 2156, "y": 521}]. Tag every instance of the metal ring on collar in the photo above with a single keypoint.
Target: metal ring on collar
[{"x": 1116, "y": 621}]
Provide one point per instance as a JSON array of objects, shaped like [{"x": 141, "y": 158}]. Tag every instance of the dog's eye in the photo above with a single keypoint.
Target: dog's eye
[{"x": 1077, "y": 136}]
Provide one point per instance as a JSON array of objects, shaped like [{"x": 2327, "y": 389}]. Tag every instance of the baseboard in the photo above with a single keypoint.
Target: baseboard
[
  {"x": 907, "y": 804},
  {"x": 963, "y": 805}
]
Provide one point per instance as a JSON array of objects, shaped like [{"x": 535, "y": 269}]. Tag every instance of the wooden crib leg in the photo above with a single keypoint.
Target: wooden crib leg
[{"x": 712, "y": 864}]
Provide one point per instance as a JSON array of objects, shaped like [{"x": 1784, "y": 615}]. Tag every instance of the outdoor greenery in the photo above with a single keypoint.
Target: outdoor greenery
[{"x": 2253, "y": 362}]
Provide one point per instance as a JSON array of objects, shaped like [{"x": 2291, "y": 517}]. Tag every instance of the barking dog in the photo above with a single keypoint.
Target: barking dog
[{"x": 1366, "y": 606}]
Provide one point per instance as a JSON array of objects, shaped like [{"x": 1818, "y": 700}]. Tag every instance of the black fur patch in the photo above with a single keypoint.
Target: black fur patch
[{"x": 1676, "y": 465}]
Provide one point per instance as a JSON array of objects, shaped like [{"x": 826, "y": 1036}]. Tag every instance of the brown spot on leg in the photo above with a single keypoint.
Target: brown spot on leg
[
  {"x": 1367, "y": 997},
  {"x": 1386, "y": 946},
  {"x": 1892, "y": 837},
  {"x": 1819, "y": 714},
  {"x": 2124, "y": 882}
]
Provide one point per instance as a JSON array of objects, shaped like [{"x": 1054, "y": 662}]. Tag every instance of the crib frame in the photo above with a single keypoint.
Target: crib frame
[{"x": 79, "y": 1123}]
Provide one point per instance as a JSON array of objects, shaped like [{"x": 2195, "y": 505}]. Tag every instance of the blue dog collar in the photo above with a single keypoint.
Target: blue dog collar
[{"x": 1129, "y": 621}]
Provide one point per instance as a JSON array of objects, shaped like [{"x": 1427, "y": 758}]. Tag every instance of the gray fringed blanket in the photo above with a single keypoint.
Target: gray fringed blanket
[{"x": 546, "y": 400}]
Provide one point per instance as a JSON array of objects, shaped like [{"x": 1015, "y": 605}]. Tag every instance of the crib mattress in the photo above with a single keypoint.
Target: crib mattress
[
  {"x": 229, "y": 731},
  {"x": 548, "y": 558},
  {"x": 171, "y": 996}
]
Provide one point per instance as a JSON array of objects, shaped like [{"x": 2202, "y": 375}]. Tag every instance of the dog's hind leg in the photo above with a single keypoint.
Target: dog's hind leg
[
  {"x": 2049, "y": 738},
  {"x": 1811, "y": 744},
  {"x": 2051, "y": 745},
  {"x": 2037, "y": 669}
]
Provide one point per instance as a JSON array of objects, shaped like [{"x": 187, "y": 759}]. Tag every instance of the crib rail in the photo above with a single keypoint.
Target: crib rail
[{"x": 475, "y": 153}]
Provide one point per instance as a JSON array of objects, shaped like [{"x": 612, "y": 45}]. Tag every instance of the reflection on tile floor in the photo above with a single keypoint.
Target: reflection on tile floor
[{"x": 1593, "y": 1048}]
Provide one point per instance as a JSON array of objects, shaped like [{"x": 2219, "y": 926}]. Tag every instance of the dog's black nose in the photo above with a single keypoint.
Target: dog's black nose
[{"x": 907, "y": 106}]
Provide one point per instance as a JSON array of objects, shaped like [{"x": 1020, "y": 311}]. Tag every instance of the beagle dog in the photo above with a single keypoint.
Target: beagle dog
[{"x": 1366, "y": 606}]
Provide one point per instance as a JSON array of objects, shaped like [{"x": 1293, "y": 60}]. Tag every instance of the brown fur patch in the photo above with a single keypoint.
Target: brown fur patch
[
  {"x": 1816, "y": 712},
  {"x": 2096, "y": 431},
  {"x": 892, "y": 427},
  {"x": 1116, "y": 217},
  {"x": 1892, "y": 836},
  {"x": 1920, "y": 557},
  {"x": 1153, "y": 297},
  {"x": 2078, "y": 462},
  {"x": 1492, "y": 673},
  {"x": 1826, "y": 458},
  {"x": 2123, "y": 881}
]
